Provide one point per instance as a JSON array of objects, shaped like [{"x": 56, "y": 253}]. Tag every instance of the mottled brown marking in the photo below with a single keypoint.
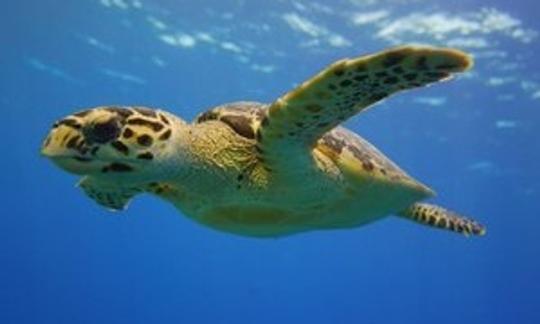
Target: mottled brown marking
[
  {"x": 240, "y": 124},
  {"x": 72, "y": 123},
  {"x": 164, "y": 119},
  {"x": 452, "y": 225},
  {"x": 72, "y": 143},
  {"x": 120, "y": 147},
  {"x": 155, "y": 126},
  {"x": 145, "y": 156},
  {"x": 393, "y": 58},
  {"x": 208, "y": 115},
  {"x": 432, "y": 220},
  {"x": 127, "y": 133},
  {"x": 442, "y": 223},
  {"x": 102, "y": 132},
  {"x": 144, "y": 140},
  {"x": 260, "y": 113},
  {"x": 83, "y": 113},
  {"x": 145, "y": 112},
  {"x": 120, "y": 167},
  {"x": 335, "y": 143},
  {"x": 165, "y": 135},
  {"x": 368, "y": 165},
  {"x": 314, "y": 108},
  {"x": 122, "y": 112}
]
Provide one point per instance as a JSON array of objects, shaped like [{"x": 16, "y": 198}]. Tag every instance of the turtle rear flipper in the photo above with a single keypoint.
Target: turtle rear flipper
[
  {"x": 108, "y": 194},
  {"x": 435, "y": 216}
]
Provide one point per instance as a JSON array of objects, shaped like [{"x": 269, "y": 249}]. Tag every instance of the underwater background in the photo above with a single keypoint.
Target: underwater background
[{"x": 475, "y": 140}]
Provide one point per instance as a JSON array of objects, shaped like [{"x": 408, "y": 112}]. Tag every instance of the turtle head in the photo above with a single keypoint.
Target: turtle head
[{"x": 113, "y": 142}]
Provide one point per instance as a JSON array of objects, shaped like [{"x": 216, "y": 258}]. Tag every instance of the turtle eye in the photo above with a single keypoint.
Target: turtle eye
[{"x": 102, "y": 132}]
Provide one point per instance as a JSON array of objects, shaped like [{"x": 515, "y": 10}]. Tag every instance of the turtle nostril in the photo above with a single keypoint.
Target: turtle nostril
[{"x": 102, "y": 132}]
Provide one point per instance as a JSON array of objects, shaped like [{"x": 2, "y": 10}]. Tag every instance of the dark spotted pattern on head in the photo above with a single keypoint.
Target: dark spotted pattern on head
[
  {"x": 102, "y": 132},
  {"x": 164, "y": 119},
  {"x": 165, "y": 136},
  {"x": 145, "y": 140},
  {"x": 145, "y": 112},
  {"x": 153, "y": 125},
  {"x": 78, "y": 144},
  {"x": 122, "y": 112},
  {"x": 128, "y": 133},
  {"x": 117, "y": 167},
  {"x": 72, "y": 143},
  {"x": 107, "y": 133},
  {"x": 439, "y": 217},
  {"x": 69, "y": 123},
  {"x": 145, "y": 156},
  {"x": 81, "y": 114},
  {"x": 121, "y": 147}
]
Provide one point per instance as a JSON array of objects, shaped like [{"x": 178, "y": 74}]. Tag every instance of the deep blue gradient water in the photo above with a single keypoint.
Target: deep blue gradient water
[{"x": 475, "y": 140}]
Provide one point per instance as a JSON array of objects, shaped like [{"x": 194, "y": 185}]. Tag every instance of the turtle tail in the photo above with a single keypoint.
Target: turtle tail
[{"x": 435, "y": 216}]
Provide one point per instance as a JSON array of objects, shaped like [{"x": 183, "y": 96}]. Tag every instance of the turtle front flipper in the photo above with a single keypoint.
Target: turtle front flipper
[
  {"x": 439, "y": 217},
  {"x": 108, "y": 194},
  {"x": 299, "y": 118}
]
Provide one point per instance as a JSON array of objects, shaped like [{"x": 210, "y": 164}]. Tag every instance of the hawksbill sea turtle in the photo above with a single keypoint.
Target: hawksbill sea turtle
[{"x": 265, "y": 170}]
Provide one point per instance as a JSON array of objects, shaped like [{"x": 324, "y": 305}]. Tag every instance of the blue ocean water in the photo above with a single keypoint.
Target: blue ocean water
[{"x": 475, "y": 140}]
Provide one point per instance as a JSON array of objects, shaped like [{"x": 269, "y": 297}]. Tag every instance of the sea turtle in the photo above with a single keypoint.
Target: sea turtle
[{"x": 264, "y": 170}]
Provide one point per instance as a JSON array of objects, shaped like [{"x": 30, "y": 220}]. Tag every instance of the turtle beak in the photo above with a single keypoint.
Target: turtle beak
[
  {"x": 63, "y": 139},
  {"x": 69, "y": 145},
  {"x": 65, "y": 147},
  {"x": 87, "y": 142}
]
